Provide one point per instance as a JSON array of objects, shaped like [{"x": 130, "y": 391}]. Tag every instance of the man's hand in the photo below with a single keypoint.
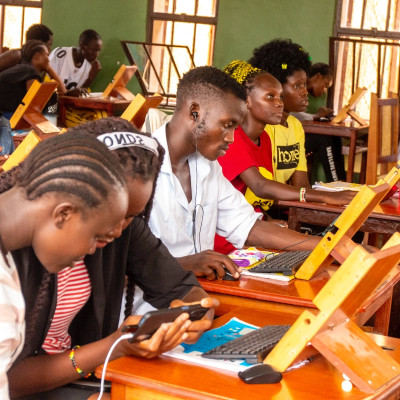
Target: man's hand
[{"x": 210, "y": 264}]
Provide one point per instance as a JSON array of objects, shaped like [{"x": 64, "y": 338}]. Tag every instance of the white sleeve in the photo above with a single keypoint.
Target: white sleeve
[{"x": 236, "y": 217}]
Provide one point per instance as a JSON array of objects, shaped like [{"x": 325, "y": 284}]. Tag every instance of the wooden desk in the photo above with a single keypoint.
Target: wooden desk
[
  {"x": 384, "y": 219},
  {"x": 166, "y": 378},
  {"x": 295, "y": 296},
  {"x": 111, "y": 105},
  {"x": 346, "y": 129}
]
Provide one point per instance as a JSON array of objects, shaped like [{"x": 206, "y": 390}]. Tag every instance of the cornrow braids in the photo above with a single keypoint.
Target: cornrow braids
[
  {"x": 136, "y": 161},
  {"x": 8, "y": 178},
  {"x": 73, "y": 164},
  {"x": 281, "y": 58},
  {"x": 30, "y": 48},
  {"x": 207, "y": 83}
]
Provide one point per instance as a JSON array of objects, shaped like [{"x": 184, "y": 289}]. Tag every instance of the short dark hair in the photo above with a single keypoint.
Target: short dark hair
[
  {"x": 87, "y": 36},
  {"x": 30, "y": 48},
  {"x": 320, "y": 68},
  {"x": 207, "y": 82},
  {"x": 39, "y": 32},
  {"x": 281, "y": 58}
]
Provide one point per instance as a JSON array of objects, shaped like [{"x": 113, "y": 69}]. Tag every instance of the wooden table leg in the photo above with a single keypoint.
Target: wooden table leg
[{"x": 352, "y": 153}]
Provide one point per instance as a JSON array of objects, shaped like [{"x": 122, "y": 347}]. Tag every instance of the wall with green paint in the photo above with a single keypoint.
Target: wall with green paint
[
  {"x": 242, "y": 26},
  {"x": 115, "y": 20}
]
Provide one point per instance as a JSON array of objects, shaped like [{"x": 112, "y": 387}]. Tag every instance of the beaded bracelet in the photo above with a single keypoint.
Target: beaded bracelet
[
  {"x": 303, "y": 194},
  {"x": 77, "y": 369}
]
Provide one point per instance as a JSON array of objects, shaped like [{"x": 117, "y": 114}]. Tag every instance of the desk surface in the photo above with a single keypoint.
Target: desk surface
[
  {"x": 384, "y": 219},
  {"x": 92, "y": 101},
  {"x": 166, "y": 378},
  {"x": 344, "y": 129}
]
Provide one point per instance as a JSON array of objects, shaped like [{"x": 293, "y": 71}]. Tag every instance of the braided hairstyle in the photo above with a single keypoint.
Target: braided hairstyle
[
  {"x": 77, "y": 165},
  {"x": 207, "y": 83},
  {"x": 30, "y": 48},
  {"x": 245, "y": 73},
  {"x": 281, "y": 58},
  {"x": 136, "y": 161}
]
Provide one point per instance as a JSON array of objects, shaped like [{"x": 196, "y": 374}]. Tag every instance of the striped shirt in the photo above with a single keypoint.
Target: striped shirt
[
  {"x": 73, "y": 291},
  {"x": 12, "y": 319}
]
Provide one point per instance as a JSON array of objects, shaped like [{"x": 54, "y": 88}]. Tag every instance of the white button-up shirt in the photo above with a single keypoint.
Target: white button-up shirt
[{"x": 216, "y": 207}]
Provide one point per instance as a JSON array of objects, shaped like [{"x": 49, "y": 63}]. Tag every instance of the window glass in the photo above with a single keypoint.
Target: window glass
[
  {"x": 207, "y": 8},
  {"x": 12, "y": 27}
]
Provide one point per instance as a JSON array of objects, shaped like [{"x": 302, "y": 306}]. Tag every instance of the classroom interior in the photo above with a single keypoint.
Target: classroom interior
[{"x": 241, "y": 27}]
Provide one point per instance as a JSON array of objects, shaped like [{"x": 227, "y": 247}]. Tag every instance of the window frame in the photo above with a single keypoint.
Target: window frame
[
  {"x": 194, "y": 19},
  {"x": 16, "y": 3}
]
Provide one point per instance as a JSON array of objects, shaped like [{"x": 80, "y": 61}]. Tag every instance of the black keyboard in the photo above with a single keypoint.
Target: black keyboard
[
  {"x": 253, "y": 346},
  {"x": 286, "y": 263}
]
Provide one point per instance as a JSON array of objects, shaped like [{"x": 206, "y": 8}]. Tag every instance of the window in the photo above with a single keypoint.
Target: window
[
  {"x": 365, "y": 50},
  {"x": 16, "y": 16},
  {"x": 190, "y": 23}
]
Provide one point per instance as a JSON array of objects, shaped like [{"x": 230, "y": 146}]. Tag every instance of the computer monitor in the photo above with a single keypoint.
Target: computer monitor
[
  {"x": 29, "y": 115},
  {"x": 117, "y": 87},
  {"x": 332, "y": 245}
]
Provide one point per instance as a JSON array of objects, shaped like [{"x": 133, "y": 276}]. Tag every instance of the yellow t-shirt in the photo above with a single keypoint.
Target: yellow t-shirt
[{"x": 287, "y": 148}]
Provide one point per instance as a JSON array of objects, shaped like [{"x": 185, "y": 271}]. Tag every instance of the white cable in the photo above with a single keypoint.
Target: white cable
[{"x": 103, "y": 374}]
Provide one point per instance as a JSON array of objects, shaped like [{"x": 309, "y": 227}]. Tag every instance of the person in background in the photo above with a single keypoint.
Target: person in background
[
  {"x": 16, "y": 81},
  {"x": 13, "y": 57},
  {"x": 63, "y": 201},
  {"x": 247, "y": 163},
  {"x": 290, "y": 64},
  {"x": 328, "y": 149},
  {"x": 78, "y": 66},
  {"x": 193, "y": 200}
]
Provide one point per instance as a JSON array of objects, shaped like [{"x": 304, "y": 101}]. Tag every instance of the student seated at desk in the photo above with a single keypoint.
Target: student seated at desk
[
  {"x": 289, "y": 63},
  {"x": 247, "y": 163},
  {"x": 328, "y": 148},
  {"x": 78, "y": 66},
  {"x": 15, "y": 81},
  {"x": 13, "y": 57},
  {"x": 136, "y": 254},
  {"x": 193, "y": 200},
  {"x": 62, "y": 202}
]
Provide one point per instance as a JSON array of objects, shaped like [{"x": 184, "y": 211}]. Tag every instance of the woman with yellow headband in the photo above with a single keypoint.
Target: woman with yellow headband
[{"x": 248, "y": 163}]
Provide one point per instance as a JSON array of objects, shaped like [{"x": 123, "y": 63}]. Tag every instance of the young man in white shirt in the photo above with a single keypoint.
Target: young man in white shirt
[{"x": 193, "y": 199}]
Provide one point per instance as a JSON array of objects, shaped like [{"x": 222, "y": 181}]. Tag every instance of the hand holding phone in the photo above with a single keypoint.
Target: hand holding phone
[{"x": 152, "y": 320}]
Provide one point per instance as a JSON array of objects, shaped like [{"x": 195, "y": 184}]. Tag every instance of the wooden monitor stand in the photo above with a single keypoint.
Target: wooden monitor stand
[
  {"x": 117, "y": 87},
  {"x": 348, "y": 223},
  {"x": 139, "y": 107},
  {"x": 348, "y": 109},
  {"x": 29, "y": 113},
  {"x": 331, "y": 332}
]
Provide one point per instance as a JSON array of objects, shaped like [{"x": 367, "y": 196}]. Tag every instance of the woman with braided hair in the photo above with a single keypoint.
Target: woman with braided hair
[
  {"x": 248, "y": 163},
  {"x": 290, "y": 63},
  {"x": 62, "y": 202},
  {"x": 136, "y": 254}
]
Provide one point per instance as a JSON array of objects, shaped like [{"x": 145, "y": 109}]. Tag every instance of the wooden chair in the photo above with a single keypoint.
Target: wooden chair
[
  {"x": 383, "y": 136},
  {"x": 140, "y": 105}
]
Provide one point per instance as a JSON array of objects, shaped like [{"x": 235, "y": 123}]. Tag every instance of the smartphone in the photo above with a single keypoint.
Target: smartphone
[{"x": 152, "y": 320}]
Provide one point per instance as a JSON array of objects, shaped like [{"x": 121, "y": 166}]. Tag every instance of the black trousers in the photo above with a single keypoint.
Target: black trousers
[{"x": 329, "y": 151}]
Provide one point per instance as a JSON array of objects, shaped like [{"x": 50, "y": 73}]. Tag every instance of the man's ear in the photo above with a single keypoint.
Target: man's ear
[
  {"x": 194, "y": 111},
  {"x": 62, "y": 213}
]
